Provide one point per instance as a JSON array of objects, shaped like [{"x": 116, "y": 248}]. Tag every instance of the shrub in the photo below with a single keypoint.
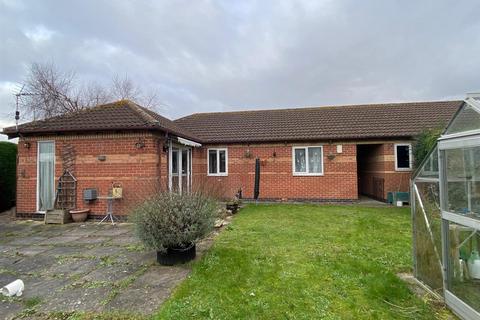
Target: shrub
[
  {"x": 8, "y": 162},
  {"x": 425, "y": 142},
  {"x": 172, "y": 220}
]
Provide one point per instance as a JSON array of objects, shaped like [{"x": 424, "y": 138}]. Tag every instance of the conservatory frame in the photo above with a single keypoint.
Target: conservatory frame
[{"x": 448, "y": 141}]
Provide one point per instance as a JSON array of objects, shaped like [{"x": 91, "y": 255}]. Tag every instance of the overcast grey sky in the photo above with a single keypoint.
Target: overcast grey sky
[{"x": 229, "y": 55}]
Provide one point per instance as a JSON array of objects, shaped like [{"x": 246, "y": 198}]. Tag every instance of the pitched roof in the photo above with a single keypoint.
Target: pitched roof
[
  {"x": 391, "y": 120},
  {"x": 120, "y": 115}
]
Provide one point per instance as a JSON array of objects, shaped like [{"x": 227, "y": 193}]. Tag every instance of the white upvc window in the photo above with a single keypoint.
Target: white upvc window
[
  {"x": 217, "y": 162},
  {"x": 403, "y": 156},
  {"x": 307, "y": 161}
]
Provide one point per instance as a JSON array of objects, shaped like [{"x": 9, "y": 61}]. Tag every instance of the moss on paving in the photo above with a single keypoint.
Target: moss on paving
[{"x": 304, "y": 262}]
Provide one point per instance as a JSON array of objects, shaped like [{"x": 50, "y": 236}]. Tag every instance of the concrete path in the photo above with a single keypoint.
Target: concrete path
[{"x": 82, "y": 267}]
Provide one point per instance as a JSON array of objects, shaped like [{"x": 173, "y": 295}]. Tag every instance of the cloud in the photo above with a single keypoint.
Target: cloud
[{"x": 222, "y": 55}]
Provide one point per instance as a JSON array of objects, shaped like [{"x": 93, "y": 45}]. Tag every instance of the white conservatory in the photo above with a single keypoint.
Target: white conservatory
[{"x": 446, "y": 214}]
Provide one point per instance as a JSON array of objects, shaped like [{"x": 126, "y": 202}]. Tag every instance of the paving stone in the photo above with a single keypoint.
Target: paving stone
[
  {"x": 27, "y": 240},
  {"x": 7, "y": 263},
  {"x": 103, "y": 251},
  {"x": 161, "y": 276},
  {"x": 82, "y": 230},
  {"x": 9, "y": 309},
  {"x": 60, "y": 240},
  {"x": 43, "y": 287},
  {"x": 139, "y": 300},
  {"x": 90, "y": 240},
  {"x": 73, "y": 267},
  {"x": 60, "y": 251},
  {"x": 136, "y": 258},
  {"x": 6, "y": 278},
  {"x": 111, "y": 231},
  {"x": 111, "y": 274},
  {"x": 33, "y": 264},
  {"x": 76, "y": 299},
  {"x": 57, "y": 263},
  {"x": 125, "y": 240},
  {"x": 31, "y": 251},
  {"x": 6, "y": 250}
]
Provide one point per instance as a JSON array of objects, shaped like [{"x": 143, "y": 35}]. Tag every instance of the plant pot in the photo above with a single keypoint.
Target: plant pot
[
  {"x": 232, "y": 207},
  {"x": 176, "y": 255},
  {"x": 79, "y": 215}
]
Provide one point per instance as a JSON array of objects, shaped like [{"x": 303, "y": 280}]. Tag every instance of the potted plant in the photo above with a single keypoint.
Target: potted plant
[
  {"x": 172, "y": 223},
  {"x": 232, "y": 205},
  {"x": 79, "y": 215}
]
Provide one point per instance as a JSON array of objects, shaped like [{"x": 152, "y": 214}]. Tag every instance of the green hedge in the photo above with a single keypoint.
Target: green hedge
[
  {"x": 424, "y": 142},
  {"x": 8, "y": 156}
]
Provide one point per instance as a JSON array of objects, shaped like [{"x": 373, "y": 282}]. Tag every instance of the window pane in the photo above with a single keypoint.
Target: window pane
[
  {"x": 184, "y": 161},
  {"x": 403, "y": 157},
  {"x": 175, "y": 161},
  {"x": 463, "y": 181},
  {"x": 315, "y": 160},
  {"x": 300, "y": 161},
  {"x": 212, "y": 161},
  {"x": 222, "y": 161},
  {"x": 467, "y": 119},
  {"x": 464, "y": 261}
]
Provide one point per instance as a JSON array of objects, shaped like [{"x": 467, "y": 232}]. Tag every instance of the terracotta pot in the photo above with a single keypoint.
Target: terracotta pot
[{"x": 79, "y": 215}]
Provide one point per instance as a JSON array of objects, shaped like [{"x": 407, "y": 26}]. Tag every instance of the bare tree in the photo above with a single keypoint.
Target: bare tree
[
  {"x": 124, "y": 88},
  {"x": 52, "y": 92}
]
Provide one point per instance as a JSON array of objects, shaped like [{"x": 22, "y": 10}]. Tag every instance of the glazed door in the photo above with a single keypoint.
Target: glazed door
[
  {"x": 180, "y": 179},
  {"x": 45, "y": 176}
]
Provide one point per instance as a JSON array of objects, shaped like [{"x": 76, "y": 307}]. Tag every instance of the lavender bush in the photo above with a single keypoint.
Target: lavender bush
[{"x": 172, "y": 220}]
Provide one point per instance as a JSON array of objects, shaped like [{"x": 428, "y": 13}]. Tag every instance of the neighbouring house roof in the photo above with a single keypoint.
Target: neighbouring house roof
[
  {"x": 120, "y": 115},
  {"x": 373, "y": 121}
]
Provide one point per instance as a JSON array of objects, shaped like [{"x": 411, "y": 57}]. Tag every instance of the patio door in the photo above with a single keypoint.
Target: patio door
[
  {"x": 45, "y": 176},
  {"x": 180, "y": 173}
]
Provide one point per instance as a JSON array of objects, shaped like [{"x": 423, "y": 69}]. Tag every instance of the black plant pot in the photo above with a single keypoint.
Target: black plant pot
[
  {"x": 232, "y": 207},
  {"x": 176, "y": 255}
]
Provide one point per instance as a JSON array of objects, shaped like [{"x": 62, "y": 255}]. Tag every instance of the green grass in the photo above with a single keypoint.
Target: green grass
[{"x": 304, "y": 262}]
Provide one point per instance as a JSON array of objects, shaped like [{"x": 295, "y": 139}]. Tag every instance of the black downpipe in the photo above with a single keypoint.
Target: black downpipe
[{"x": 256, "y": 189}]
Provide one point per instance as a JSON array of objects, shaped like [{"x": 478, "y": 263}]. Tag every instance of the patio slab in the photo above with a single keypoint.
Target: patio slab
[{"x": 82, "y": 267}]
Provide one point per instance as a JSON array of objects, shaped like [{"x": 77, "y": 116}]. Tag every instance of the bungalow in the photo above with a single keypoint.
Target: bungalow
[{"x": 318, "y": 154}]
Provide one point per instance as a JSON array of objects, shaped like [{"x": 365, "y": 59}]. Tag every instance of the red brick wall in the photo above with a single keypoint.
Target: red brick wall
[
  {"x": 140, "y": 171},
  {"x": 379, "y": 162},
  {"x": 339, "y": 181}
]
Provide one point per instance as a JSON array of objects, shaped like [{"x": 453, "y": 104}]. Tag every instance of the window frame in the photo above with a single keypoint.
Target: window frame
[
  {"x": 218, "y": 173},
  {"x": 410, "y": 154},
  {"x": 311, "y": 174}
]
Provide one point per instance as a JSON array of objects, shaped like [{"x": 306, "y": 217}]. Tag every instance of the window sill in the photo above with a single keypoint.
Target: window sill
[
  {"x": 403, "y": 169},
  {"x": 217, "y": 174},
  {"x": 307, "y": 174}
]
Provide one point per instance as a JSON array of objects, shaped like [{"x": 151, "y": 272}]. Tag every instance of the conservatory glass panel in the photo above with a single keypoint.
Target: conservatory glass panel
[
  {"x": 468, "y": 119},
  {"x": 463, "y": 181},
  {"x": 427, "y": 258},
  {"x": 463, "y": 278},
  {"x": 430, "y": 166}
]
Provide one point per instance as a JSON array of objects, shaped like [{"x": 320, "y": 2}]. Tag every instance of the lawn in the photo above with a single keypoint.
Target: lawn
[{"x": 304, "y": 262}]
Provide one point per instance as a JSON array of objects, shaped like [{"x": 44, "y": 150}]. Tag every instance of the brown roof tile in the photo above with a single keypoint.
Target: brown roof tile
[
  {"x": 393, "y": 120},
  {"x": 120, "y": 115}
]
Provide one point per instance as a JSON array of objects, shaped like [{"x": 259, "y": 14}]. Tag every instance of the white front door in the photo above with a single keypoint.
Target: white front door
[{"x": 45, "y": 176}]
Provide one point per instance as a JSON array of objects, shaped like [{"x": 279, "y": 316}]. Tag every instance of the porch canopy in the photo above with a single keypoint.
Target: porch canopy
[{"x": 446, "y": 214}]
